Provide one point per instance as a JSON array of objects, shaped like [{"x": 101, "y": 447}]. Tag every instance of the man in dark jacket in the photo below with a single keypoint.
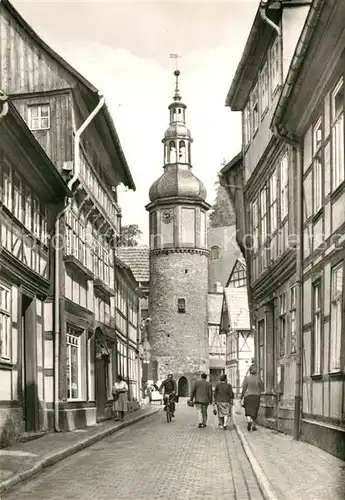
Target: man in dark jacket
[
  {"x": 170, "y": 390},
  {"x": 201, "y": 395}
]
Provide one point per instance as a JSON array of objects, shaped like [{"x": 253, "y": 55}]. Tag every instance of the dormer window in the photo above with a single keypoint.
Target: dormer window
[{"x": 39, "y": 117}]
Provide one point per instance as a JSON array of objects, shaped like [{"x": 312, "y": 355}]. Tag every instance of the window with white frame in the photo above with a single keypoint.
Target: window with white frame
[
  {"x": 316, "y": 349},
  {"x": 293, "y": 331},
  {"x": 282, "y": 324},
  {"x": 246, "y": 125},
  {"x": 7, "y": 186},
  {"x": 255, "y": 225},
  {"x": 73, "y": 338},
  {"x": 75, "y": 237},
  {"x": 101, "y": 260},
  {"x": 17, "y": 197},
  {"x": 39, "y": 117},
  {"x": 263, "y": 215},
  {"x": 264, "y": 89},
  {"x": 273, "y": 195},
  {"x": 317, "y": 165},
  {"x": 255, "y": 108},
  {"x": 275, "y": 64},
  {"x": 5, "y": 322},
  {"x": 21, "y": 201},
  {"x": 336, "y": 316},
  {"x": 337, "y": 126},
  {"x": 284, "y": 187}
]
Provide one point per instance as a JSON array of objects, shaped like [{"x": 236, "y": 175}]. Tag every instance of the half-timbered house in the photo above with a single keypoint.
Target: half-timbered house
[
  {"x": 73, "y": 124},
  {"x": 216, "y": 339},
  {"x": 32, "y": 193},
  {"x": 311, "y": 118},
  {"x": 265, "y": 182}
]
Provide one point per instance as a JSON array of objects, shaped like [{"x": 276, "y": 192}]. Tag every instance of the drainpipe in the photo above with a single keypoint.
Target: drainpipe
[
  {"x": 57, "y": 260},
  {"x": 299, "y": 280},
  {"x": 299, "y": 297},
  {"x": 269, "y": 21}
]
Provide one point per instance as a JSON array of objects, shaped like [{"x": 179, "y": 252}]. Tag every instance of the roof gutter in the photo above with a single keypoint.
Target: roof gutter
[
  {"x": 297, "y": 61},
  {"x": 264, "y": 17}
]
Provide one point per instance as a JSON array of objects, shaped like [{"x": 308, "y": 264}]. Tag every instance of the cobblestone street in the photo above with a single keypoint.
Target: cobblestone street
[{"x": 152, "y": 460}]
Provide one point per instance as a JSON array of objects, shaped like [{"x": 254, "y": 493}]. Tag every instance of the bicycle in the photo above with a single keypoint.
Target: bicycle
[{"x": 168, "y": 406}]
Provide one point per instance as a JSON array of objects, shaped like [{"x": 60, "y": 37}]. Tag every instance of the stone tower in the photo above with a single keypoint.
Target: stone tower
[{"x": 178, "y": 259}]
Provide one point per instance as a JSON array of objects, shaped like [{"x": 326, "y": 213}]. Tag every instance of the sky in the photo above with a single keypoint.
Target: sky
[{"x": 123, "y": 47}]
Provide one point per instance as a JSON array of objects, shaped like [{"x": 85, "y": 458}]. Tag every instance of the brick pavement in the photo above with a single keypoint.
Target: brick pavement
[
  {"x": 24, "y": 458},
  {"x": 152, "y": 460},
  {"x": 296, "y": 470}
]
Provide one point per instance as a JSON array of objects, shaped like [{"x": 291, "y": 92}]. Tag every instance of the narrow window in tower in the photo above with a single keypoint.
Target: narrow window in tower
[
  {"x": 182, "y": 152},
  {"x": 172, "y": 152},
  {"x": 181, "y": 305}
]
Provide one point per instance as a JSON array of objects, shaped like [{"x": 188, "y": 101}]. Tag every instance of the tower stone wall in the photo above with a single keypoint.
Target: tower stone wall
[
  {"x": 178, "y": 330},
  {"x": 179, "y": 340}
]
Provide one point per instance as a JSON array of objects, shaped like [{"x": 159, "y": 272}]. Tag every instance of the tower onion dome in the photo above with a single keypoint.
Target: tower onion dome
[{"x": 177, "y": 179}]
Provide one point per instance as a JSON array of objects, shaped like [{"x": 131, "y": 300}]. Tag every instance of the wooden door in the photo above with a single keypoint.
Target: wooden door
[
  {"x": 101, "y": 391},
  {"x": 29, "y": 364}
]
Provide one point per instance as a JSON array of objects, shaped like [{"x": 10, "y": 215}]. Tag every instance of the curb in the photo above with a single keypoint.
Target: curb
[
  {"x": 265, "y": 485},
  {"x": 53, "y": 458}
]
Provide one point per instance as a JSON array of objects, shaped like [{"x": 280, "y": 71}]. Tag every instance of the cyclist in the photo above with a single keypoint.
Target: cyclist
[{"x": 170, "y": 389}]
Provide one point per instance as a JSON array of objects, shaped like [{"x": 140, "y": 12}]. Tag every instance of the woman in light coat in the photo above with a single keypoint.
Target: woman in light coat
[
  {"x": 120, "y": 392},
  {"x": 252, "y": 388}
]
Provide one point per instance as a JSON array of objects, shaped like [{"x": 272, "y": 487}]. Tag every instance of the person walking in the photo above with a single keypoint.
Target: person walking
[
  {"x": 201, "y": 395},
  {"x": 223, "y": 398},
  {"x": 252, "y": 388},
  {"x": 120, "y": 391}
]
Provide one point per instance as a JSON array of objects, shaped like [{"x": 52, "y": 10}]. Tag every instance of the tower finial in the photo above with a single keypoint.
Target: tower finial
[{"x": 177, "y": 96}]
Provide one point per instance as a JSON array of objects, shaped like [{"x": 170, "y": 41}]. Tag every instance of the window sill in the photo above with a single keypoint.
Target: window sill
[
  {"x": 317, "y": 215},
  {"x": 316, "y": 376},
  {"x": 338, "y": 373},
  {"x": 264, "y": 113},
  {"x": 337, "y": 191},
  {"x": 6, "y": 365},
  {"x": 104, "y": 288},
  {"x": 77, "y": 266}
]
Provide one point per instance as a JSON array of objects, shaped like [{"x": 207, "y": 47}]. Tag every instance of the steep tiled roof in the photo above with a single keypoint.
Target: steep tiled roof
[
  {"x": 138, "y": 259},
  {"x": 237, "y": 306},
  {"x": 215, "y": 302}
]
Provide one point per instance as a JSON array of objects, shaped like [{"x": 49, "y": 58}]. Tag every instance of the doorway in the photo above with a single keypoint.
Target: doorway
[
  {"x": 102, "y": 373},
  {"x": 29, "y": 364},
  {"x": 183, "y": 387}
]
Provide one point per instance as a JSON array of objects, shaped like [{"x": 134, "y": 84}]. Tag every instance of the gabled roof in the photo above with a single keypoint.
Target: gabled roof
[
  {"x": 36, "y": 158},
  {"x": 236, "y": 300},
  {"x": 126, "y": 178},
  {"x": 240, "y": 263},
  {"x": 215, "y": 302},
  {"x": 138, "y": 259}
]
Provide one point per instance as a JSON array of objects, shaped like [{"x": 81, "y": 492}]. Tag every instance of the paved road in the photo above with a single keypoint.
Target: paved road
[{"x": 152, "y": 460}]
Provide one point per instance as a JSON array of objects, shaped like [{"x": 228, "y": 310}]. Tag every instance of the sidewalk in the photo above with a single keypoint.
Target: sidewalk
[
  {"x": 288, "y": 469},
  {"x": 24, "y": 460}
]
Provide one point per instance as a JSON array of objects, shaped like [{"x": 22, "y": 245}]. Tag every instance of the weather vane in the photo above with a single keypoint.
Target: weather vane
[{"x": 176, "y": 57}]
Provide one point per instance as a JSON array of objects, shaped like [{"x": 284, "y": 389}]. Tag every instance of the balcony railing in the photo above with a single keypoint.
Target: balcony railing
[{"x": 109, "y": 208}]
